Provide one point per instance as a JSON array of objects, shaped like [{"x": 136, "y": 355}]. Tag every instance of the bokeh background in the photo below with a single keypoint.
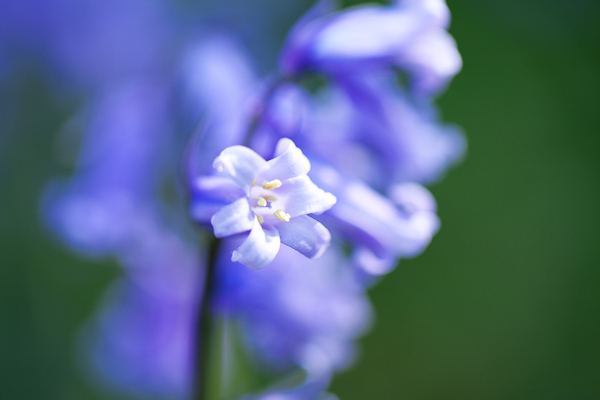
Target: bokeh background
[{"x": 505, "y": 303}]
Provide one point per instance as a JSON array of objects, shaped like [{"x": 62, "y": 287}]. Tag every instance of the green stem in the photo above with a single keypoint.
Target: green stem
[{"x": 204, "y": 326}]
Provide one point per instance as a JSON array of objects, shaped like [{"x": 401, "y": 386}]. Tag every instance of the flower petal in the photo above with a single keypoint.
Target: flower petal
[
  {"x": 380, "y": 225},
  {"x": 305, "y": 235},
  {"x": 433, "y": 60},
  {"x": 301, "y": 196},
  {"x": 437, "y": 10},
  {"x": 232, "y": 219},
  {"x": 241, "y": 163},
  {"x": 370, "y": 265},
  {"x": 211, "y": 193},
  {"x": 412, "y": 197},
  {"x": 289, "y": 163},
  {"x": 365, "y": 33},
  {"x": 260, "y": 247},
  {"x": 409, "y": 33},
  {"x": 370, "y": 220}
]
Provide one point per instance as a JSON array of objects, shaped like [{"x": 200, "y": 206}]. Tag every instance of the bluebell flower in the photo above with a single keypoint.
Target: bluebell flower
[
  {"x": 217, "y": 84},
  {"x": 298, "y": 313},
  {"x": 404, "y": 140},
  {"x": 365, "y": 150},
  {"x": 368, "y": 128},
  {"x": 142, "y": 340},
  {"x": 416, "y": 208},
  {"x": 381, "y": 229},
  {"x": 436, "y": 10},
  {"x": 99, "y": 209},
  {"x": 408, "y": 34},
  {"x": 270, "y": 200}
]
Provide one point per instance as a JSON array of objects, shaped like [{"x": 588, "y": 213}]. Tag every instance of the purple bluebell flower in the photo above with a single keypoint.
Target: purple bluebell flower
[
  {"x": 217, "y": 85},
  {"x": 436, "y": 10},
  {"x": 416, "y": 208},
  {"x": 348, "y": 140},
  {"x": 142, "y": 340},
  {"x": 405, "y": 140},
  {"x": 368, "y": 128},
  {"x": 98, "y": 210},
  {"x": 270, "y": 200},
  {"x": 381, "y": 229},
  {"x": 297, "y": 313},
  {"x": 407, "y": 34}
]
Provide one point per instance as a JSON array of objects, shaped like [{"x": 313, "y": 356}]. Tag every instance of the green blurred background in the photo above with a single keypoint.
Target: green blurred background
[{"x": 505, "y": 303}]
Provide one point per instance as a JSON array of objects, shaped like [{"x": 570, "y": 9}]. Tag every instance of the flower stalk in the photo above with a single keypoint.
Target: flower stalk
[{"x": 204, "y": 326}]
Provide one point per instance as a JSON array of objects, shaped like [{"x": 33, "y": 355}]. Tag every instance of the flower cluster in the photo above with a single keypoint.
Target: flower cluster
[{"x": 327, "y": 157}]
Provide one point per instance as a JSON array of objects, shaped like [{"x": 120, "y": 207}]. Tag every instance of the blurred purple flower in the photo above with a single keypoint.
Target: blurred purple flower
[
  {"x": 366, "y": 145},
  {"x": 380, "y": 229},
  {"x": 142, "y": 341},
  {"x": 268, "y": 199},
  {"x": 99, "y": 209},
  {"x": 299, "y": 313},
  {"x": 366, "y": 127},
  {"x": 407, "y": 34},
  {"x": 402, "y": 141},
  {"x": 217, "y": 85}
]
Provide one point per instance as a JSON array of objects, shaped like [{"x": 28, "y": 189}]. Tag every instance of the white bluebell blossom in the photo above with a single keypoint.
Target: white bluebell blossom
[{"x": 273, "y": 201}]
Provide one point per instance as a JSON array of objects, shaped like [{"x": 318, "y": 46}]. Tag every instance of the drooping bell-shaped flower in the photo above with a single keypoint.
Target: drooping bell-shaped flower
[
  {"x": 410, "y": 35},
  {"x": 368, "y": 128},
  {"x": 218, "y": 83},
  {"x": 141, "y": 340},
  {"x": 99, "y": 210},
  {"x": 297, "y": 313},
  {"x": 380, "y": 228},
  {"x": 269, "y": 200}
]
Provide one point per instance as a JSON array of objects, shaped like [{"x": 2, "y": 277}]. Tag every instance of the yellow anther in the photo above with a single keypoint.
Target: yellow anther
[
  {"x": 274, "y": 184},
  {"x": 261, "y": 202},
  {"x": 254, "y": 182},
  {"x": 270, "y": 198},
  {"x": 282, "y": 216},
  {"x": 260, "y": 219}
]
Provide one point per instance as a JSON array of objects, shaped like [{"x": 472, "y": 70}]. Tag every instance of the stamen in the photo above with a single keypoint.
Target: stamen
[
  {"x": 254, "y": 182},
  {"x": 262, "y": 202},
  {"x": 270, "y": 198},
  {"x": 260, "y": 218},
  {"x": 274, "y": 184},
  {"x": 282, "y": 216}
]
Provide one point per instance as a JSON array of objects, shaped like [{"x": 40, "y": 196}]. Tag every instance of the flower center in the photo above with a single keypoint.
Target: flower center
[{"x": 264, "y": 204}]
